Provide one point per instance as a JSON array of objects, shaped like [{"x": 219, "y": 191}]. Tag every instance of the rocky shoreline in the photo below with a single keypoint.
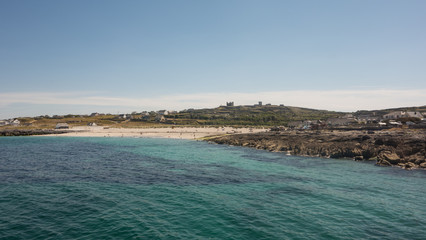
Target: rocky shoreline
[
  {"x": 402, "y": 148},
  {"x": 29, "y": 132},
  {"x": 405, "y": 148}
]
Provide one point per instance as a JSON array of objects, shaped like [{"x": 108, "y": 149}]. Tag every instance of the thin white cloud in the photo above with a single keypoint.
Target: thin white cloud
[{"x": 344, "y": 100}]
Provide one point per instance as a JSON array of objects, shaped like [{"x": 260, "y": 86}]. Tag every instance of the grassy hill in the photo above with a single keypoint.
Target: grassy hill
[{"x": 269, "y": 115}]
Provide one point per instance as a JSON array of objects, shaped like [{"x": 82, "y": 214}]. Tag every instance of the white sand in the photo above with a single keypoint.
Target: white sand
[{"x": 176, "y": 133}]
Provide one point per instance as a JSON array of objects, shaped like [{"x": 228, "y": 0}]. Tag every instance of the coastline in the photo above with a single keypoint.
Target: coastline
[
  {"x": 399, "y": 147},
  {"x": 403, "y": 148},
  {"x": 168, "y": 132}
]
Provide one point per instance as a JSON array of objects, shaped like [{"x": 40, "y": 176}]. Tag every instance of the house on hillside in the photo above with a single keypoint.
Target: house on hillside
[
  {"x": 146, "y": 117},
  {"x": 414, "y": 114},
  {"x": 340, "y": 121},
  {"x": 4, "y": 122},
  {"x": 94, "y": 114},
  {"x": 402, "y": 114},
  {"x": 394, "y": 115},
  {"x": 15, "y": 122},
  {"x": 367, "y": 119},
  {"x": 124, "y": 116},
  {"x": 163, "y": 112},
  {"x": 62, "y": 126},
  {"x": 160, "y": 118}
]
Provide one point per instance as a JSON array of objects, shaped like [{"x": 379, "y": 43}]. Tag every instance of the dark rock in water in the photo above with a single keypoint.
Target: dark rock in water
[
  {"x": 369, "y": 153},
  {"x": 30, "y": 132},
  {"x": 387, "y": 148}
]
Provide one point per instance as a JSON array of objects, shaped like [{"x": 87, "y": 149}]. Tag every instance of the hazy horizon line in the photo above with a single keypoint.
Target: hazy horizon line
[{"x": 55, "y": 103}]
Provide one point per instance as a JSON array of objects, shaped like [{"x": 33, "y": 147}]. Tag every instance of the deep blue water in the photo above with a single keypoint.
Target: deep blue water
[{"x": 128, "y": 188}]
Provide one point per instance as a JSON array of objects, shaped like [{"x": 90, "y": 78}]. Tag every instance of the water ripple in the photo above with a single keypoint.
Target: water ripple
[{"x": 84, "y": 188}]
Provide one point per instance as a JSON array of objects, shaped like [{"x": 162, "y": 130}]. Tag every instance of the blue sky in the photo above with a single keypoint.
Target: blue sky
[{"x": 59, "y": 57}]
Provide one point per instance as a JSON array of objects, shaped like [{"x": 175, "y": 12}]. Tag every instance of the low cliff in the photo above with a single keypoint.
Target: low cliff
[{"x": 402, "y": 148}]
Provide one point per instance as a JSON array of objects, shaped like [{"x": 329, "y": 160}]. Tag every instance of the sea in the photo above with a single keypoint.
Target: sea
[{"x": 148, "y": 188}]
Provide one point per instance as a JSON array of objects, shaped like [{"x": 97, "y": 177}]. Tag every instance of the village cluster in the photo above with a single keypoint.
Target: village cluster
[
  {"x": 159, "y": 116},
  {"x": 393, "y": 119},
  {"x": 11, "y": 122},
  {"x": 373, "y": 118}
]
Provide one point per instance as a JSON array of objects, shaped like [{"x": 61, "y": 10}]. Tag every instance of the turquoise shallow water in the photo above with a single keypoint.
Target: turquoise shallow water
[{"x": 128, "y": 188}]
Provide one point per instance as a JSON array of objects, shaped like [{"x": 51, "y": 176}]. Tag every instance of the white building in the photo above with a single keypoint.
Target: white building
[
  {"x": 415, "y": 114},
  {"x": 15, "y": 122},
  {"x": 163, "y": 112},
  {"x": 394, "y": 115},
  {"x": 402, "y": 114},
  {"x": 4, "y": 122}
]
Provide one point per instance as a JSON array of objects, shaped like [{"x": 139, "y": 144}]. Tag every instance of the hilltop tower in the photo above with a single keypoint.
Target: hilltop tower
[{"x": 229, "y": 104}]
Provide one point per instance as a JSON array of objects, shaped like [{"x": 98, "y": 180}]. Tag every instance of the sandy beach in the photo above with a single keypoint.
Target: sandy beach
[{"x": 169, "y": 132}]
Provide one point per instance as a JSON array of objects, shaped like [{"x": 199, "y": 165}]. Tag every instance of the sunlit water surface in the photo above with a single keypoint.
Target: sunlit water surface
[{"x": 134, "y": 188}]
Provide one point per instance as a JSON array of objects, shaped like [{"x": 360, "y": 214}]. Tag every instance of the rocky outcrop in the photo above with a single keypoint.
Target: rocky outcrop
[
  {"x": 29, "y": 132},
  {"x": 404, "y": 148}
]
